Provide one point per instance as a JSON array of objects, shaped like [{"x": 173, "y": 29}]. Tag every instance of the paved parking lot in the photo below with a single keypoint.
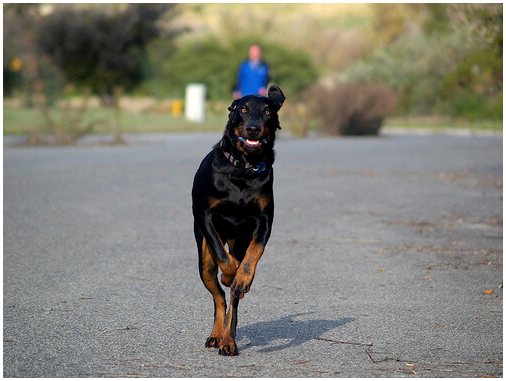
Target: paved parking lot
[{"x": 385, "y": 260}]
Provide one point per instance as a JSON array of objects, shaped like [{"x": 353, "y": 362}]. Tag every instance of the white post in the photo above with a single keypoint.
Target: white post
[{"x": 195, "y": 102}]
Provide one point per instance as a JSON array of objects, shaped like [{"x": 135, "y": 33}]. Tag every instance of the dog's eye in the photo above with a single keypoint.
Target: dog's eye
[
  {"x": 268, "y": 112},
  {"x": 243, "y": 110}
]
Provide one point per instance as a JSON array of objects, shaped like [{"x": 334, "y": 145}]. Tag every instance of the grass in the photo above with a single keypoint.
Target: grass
[
  {"x": 440, "y": 123},
  {"x": 20, "y": 121}
]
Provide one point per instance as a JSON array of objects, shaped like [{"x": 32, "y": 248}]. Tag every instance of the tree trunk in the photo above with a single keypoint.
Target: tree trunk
[{"x": 117, "y": 137}]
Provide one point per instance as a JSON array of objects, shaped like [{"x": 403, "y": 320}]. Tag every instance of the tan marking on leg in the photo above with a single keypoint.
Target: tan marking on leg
[
  {"x": 227, "y": 269},
  {"x": 214, "y": 202},
  {"x": 262, "y": 202},
  {"x": 228, "y": 347},
  {"x": 230, "y": 244},
  {"x": 228, "y": 272},
  {"x": 210, "y": 278},
  {"x": 246, "y": 271}
]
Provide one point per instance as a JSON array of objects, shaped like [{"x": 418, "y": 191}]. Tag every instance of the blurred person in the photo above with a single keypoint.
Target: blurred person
[{"x": 253, "y": 75}]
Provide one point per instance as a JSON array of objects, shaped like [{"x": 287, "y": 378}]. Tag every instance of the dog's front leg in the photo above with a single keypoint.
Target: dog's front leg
[
  {"x": 246, "y": 271},
  {"x": 228, "y": 347},
  {"x": 241, "y": 284}
]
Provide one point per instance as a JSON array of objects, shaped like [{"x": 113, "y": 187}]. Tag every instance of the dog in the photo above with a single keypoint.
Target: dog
[{"x": 233, "y": 207}]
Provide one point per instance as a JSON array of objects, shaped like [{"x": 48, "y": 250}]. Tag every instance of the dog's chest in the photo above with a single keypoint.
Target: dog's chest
[
  {"x": 238, "y": 202},
  {"x": 241, "y": 197}
]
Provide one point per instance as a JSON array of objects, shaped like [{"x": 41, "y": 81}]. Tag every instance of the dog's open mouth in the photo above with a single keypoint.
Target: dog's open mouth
[{"x": 252, "y": 143}]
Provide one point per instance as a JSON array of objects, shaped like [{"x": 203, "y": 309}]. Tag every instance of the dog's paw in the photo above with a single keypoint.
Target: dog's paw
[
  {"x": 212, "y": 342},
  {"x": 240, "y": 287},
  {"x": 229, "y": 349}
]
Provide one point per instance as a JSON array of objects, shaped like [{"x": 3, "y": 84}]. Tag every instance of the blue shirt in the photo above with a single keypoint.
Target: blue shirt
[{"x": 252, "y": 77}]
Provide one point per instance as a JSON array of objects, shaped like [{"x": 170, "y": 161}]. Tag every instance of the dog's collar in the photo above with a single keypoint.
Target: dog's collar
[{"x": 258, "y": 168}]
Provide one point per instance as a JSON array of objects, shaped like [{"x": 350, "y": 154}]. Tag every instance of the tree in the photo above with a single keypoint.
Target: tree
[
  {"x": 102, "y": 47},
  {"x": 20, "y": 23}
]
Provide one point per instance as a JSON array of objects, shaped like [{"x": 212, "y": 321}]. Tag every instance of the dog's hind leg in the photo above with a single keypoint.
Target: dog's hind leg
[
  {"x": 226, "y": 262},
  {"x": 209, "y": 274}
]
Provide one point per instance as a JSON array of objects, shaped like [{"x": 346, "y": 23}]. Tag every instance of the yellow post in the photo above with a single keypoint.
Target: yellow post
[
  {"x": 16, "y": 64},
  {"x": 176, "y": 108}
]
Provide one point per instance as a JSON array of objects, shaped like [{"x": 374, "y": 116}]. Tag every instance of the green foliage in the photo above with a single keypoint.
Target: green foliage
[
  {"x": 101, "y": 49},
  {"x": 475, "y": 86},
  {"x": 437, "y": 21},
  {"x": 485, "y": 21},
  {"x": 203, "y": 62},
  {"x": 390, "y": 21},
  {"x": 20, "y": 23},
  {"x": 53, "y": 81},
  {"x": 443, "y": 59},
  {"x": 454, "y": 71},
  {"x": 12, "y": 80},
  {"x": 413, "y": 67},
  {"x": 215, "y": 62}
]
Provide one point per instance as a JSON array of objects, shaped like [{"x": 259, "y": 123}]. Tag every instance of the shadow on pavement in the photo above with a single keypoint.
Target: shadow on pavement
[{"x": 286, "y": 328}]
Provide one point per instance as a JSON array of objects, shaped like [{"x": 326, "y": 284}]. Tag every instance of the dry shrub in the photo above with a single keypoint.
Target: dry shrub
[
  {"x": 64, "y": 124},
  {"x": 351, "y": 109},
  {"x": 295, "y": 118}
]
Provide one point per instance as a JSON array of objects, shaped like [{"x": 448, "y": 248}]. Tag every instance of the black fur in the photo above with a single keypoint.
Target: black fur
[{"x": 233, "y": 205}]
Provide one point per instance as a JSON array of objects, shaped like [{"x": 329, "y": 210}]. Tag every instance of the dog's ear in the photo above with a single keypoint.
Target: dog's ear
[
  {"x": 276, "y": 96},
  {"x": 233, "y": 106}
]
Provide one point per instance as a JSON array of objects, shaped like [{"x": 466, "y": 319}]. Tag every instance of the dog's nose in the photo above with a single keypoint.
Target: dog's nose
[{"x": 253, "y": 130}]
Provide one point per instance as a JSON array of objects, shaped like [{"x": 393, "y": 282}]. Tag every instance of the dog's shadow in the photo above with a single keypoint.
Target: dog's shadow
[{"x": 288, "y": 330}]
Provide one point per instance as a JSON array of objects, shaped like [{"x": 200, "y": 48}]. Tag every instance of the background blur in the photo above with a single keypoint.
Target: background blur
[{"x": 71, "y": 70}]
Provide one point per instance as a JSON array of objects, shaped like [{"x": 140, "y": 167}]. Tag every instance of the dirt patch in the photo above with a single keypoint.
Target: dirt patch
[
  {"x": 453, "y": 256},
  {"x": 453, "y": 223},
  {"x": 467, "y": 178}
]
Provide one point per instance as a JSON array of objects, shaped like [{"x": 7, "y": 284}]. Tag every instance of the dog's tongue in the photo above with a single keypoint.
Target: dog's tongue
[{"x": 252, "y": 142}]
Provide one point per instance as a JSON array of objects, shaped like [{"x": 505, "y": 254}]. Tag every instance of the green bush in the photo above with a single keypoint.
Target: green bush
[
  {"x": 436, "y": 74},
  {"x": 453, "y": 70},
  {"x": 474, "y": 88},
  {"x": 472, "y": 106},
  {"x": 201, "y": 62},
  {"x": 215, "y": 63},
  {"x": 414, "y": 67}
]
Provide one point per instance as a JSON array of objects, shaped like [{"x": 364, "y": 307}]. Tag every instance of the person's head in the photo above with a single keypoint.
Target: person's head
[{"x": 255, "y": 53}]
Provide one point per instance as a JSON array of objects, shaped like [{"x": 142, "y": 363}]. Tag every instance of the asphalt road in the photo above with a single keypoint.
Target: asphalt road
[{"x": 385, "y": 260}]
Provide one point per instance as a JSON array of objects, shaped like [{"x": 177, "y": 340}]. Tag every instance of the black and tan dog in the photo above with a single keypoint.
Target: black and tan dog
[{"x": 233, "y": 207}]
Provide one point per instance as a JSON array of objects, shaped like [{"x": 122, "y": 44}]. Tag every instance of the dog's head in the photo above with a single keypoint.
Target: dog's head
[{"x": 253, "y": 121}]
